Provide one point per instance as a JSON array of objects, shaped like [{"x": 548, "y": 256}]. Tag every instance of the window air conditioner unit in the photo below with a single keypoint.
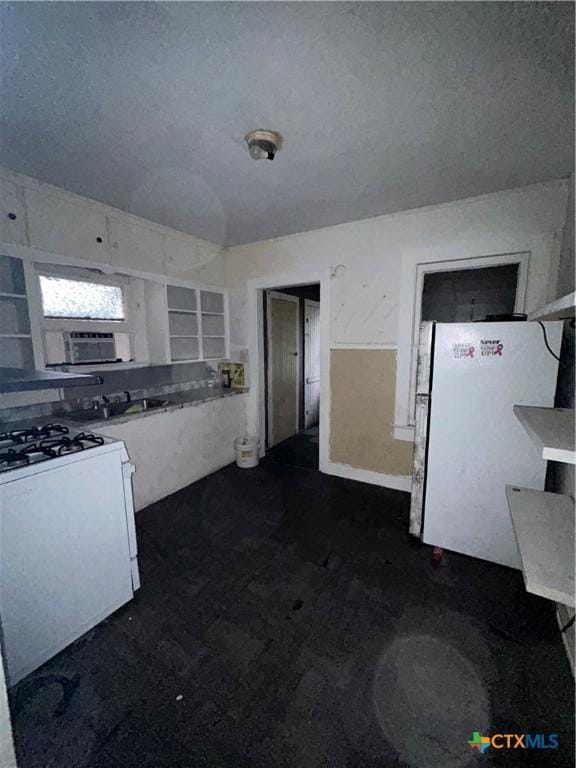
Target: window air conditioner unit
[{"x": 82, "y": 348}]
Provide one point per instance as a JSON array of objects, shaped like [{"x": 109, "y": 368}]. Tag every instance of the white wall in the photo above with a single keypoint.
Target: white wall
[
  {"x": 373, "y": 264},
  {"x": 367, "y": 256}
]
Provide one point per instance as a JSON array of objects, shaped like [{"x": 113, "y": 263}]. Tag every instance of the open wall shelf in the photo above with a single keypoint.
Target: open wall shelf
[
  {"x": 561, "y": 309},
  {"x": 544, "y": 527},
  {"x": 552, "y": 429}
]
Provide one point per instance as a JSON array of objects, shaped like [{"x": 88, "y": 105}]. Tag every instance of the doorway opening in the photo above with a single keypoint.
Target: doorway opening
[
  {"x": 468, "y": 295},
  {"x": 292, "y": 374},
  {"x": 464, "y": 292}
]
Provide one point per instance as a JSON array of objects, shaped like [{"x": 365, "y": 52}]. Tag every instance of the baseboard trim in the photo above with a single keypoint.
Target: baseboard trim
[{"x": 395, "y": 482}]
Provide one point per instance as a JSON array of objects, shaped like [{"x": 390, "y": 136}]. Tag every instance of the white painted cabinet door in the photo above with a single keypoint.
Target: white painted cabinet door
[
  {"x": 311, "y": 362},
  {"x": 12, "y": 214},
  {"x": 136, "y": 246},
  {"x": 65, "y": 561},
  {"x": 61, "y": 225}
]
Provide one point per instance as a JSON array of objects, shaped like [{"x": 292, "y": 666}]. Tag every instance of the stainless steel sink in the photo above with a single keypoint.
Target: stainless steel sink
[{"x": 113, "y": 410}]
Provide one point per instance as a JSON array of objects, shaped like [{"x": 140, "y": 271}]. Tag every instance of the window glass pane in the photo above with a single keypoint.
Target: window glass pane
[
  {"x": 213, "y": 325},
  {"x": 214, "y": 348},
  {"x": 11, "y": 275},
  {"x": 183, "y": 324},
  {"x": 181, "y": 298},
  {"x": 183, "y": 349},
  {"x": 16, "y": 353},
  {"x": 212, "y": 302},
  {"x": 76, "y": 299},
  {"x": 13, "y": 316}
]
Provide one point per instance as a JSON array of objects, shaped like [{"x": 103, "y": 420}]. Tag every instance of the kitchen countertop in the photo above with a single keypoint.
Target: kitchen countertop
[{"x": 176, "y": 400}]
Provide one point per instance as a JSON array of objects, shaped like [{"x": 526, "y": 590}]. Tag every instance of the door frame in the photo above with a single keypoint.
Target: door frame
[
  {"x": 255, "y": 406},
  {"x": 306, "y": 303},
  {"x": 269, "y": 401}
]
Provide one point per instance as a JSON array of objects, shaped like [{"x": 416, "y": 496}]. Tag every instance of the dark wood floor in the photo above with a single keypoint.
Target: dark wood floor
[{"x": 285, "y": 619}]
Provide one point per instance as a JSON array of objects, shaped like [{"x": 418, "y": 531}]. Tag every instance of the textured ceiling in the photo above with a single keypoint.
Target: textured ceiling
[{"x": 383, "y": 106}]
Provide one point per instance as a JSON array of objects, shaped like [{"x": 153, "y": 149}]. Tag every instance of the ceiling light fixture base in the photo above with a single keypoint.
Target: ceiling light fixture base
[{"x": 263, "y": 144}]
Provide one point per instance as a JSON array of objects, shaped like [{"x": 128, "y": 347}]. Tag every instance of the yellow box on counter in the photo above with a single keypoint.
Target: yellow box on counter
[{"x": 236, "y": 373}]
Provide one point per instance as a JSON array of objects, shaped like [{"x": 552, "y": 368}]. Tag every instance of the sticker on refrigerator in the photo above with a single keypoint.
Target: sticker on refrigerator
[
  {"x": 463, "y": 350},
  {"x": 491, "y": 347}
]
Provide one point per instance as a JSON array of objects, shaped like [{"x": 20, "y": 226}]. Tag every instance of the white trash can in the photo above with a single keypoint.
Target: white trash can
[{"x": 246, "y": 452}]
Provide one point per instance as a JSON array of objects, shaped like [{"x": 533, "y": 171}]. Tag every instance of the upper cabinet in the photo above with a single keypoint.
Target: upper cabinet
[
  {"x": 136, "y": 246},
  {"x": 12, "y": 213},
  {"x": 62, "y": 225}
]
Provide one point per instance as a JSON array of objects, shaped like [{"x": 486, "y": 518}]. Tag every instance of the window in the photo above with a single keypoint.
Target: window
[
  {"x": 88, "y": 317},
  {"x": 81, "y": 300}
]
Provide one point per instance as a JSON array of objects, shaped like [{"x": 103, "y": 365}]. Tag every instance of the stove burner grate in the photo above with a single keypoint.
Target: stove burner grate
[
  {"x": 62, "y": 445},
  {"x": 41, "y": 443},
  {"x": 23, "y": 436}
]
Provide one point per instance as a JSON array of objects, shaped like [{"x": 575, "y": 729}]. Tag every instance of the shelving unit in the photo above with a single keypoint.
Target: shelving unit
[
  {"x": 543, "y": 522},
  {"x": 213, "y": 325},
  {"x": 552, "y": 429},
  {"x": 197, "y": 324},
  {"x": 16, "y": 348},
  {"x": 544, "y": 527},
  {"x": 561, "y": 309}
]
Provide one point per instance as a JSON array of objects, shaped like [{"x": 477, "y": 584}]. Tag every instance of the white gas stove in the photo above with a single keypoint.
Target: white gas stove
[{"x": 67, "y": 538}]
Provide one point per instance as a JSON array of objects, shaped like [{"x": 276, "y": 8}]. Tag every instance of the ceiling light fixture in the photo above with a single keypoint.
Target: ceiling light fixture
[{"x": 263, "y": 145}]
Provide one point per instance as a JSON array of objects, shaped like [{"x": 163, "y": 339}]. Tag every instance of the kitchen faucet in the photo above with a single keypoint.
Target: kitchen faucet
[{"x": 105, "y": 402}]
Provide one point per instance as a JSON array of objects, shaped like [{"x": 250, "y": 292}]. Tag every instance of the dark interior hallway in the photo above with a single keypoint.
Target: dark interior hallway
[{"x": 300, "y": 450}]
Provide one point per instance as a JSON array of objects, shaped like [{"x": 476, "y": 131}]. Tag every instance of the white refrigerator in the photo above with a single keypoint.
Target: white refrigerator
[{"x": 468, "y": 443}]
